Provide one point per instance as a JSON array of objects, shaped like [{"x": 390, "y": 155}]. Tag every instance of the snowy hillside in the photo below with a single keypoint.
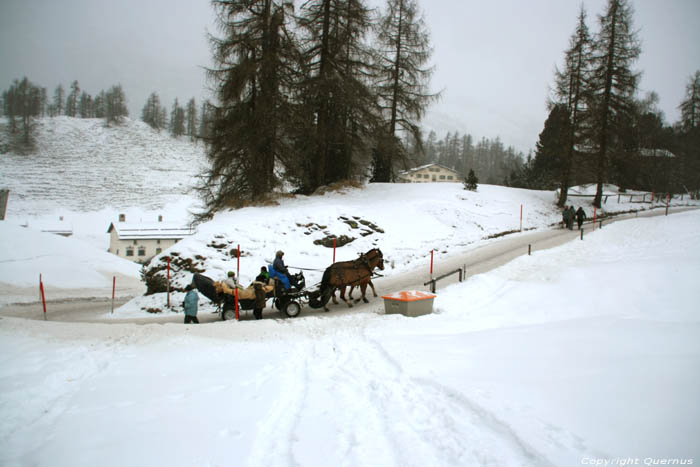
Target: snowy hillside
[{"x": 81, "y": 165}]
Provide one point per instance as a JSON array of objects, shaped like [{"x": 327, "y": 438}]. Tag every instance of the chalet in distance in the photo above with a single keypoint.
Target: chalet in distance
[
  {"x": 430, "y": 173},
  {"x": 141, "y": 242}
]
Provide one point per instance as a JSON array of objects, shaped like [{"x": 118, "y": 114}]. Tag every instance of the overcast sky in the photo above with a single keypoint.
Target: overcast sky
[{"x": 494, "y": 59}]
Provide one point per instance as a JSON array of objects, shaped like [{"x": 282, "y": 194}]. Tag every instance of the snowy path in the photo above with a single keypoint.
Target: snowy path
[{"x": 479, "y": 259}]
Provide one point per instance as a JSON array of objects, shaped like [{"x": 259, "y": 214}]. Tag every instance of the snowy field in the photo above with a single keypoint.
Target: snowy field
[{"x": 577, "y": 355}]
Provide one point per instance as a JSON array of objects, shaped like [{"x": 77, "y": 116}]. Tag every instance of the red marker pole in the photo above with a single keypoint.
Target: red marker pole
[
  {"x": 238, "y": 277},
  {"x": 43, "y": 297},
  {"x": 521, "y": 217},
  {"x": 114, "y": 288},
  {"x": 168, "y": 305},
  {"x": 431, "y": 262},
  {"x": 594, "y": 216}
]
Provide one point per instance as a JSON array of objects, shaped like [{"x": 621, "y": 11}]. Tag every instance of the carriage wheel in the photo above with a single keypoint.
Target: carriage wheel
[
  {"x": 228, "y": 313},
  {"x": 292, "y": 309}
]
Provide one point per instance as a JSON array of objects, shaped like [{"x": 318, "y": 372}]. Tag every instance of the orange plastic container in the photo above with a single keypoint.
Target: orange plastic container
[{"x": 409, "y": 303}]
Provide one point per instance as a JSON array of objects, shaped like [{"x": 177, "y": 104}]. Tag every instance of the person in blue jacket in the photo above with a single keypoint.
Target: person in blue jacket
[{"x": 190, "y": 305}]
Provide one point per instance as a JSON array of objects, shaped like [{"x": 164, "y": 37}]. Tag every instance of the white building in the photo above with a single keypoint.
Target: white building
[
  {"x": 430, "y": 173},
  {"x": 141, "y": 242}
]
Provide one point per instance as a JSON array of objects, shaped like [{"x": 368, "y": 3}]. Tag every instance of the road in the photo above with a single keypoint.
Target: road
[{"x": 485, "y": 257}]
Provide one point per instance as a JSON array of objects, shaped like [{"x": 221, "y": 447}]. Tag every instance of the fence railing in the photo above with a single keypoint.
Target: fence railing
[{"x": 433, "y": 282}]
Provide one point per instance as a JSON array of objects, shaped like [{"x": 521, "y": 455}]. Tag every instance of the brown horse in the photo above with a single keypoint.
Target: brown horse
[{"x": 351, "y": 273}]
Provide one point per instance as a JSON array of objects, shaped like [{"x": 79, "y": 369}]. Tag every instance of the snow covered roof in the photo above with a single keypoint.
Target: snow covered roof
[
  {"x": 416, "y": 169},
  {"x": 151, "y": 231}
]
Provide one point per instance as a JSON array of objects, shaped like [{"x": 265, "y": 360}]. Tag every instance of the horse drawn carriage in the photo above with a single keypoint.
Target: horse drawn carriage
[{"x": 290, "y": 301}]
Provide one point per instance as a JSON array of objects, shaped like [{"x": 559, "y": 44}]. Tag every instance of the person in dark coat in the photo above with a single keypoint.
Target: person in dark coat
[
  {"x": 572, "y": 216},
  {"x": 259, "y": 300},
  {"x": 190, "y": 305},
  {"x": 580, "y": 216}
]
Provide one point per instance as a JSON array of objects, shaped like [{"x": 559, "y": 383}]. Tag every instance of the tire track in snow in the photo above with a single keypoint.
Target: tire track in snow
[
  {"x": 381, "y": 415},
  {"x": 276, "y": 432}
]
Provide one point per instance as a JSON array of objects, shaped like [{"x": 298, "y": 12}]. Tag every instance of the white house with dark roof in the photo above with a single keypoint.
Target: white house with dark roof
[
  {"x": 141, "y": 242},
  {"x": 430, "y": 173}
]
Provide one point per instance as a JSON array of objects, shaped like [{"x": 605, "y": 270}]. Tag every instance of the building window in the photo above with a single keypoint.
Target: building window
[
  {"x": 450, "y": 177},
  {"x": 442, "y": 177},
  {"x": 159, "y": 251},
  {"x": 142, "y": 251},
  {"x": 426, "y": 176},
  {"x": 129, "y": 251},
  {"x": 158, "y": 241},
  {"x": 134, "y": 242}
]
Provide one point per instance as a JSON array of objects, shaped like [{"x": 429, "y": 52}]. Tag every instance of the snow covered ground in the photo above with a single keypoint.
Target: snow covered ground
[{"x": 577, "y": 355}]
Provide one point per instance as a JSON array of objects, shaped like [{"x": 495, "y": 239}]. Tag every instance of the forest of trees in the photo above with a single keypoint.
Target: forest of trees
[
  {"x": 312, "y": 95},
  {"x": 599, "y": 130},
  {"x": 25, "y": 101}
]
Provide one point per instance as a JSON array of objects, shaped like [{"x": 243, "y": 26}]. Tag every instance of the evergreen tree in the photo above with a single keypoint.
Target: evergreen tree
[
  {"x": 151, "y": 112},
  {"x": 338, "y": 105},
  {"x": 177, "y": 119},
  {"x": 552, "y": 162},
  {"x": 613, "y": 84},
  {"x": 115, "y": 108},
  {"x": 572, "y": 86},
  {"x": 99, "y": 105},
  {"x": 22, "y": 104},
  {"x": 72, "y": 100},
  {"x": 402, "y": 79},
  {"x": 471, "y": 181},
  {"x": 252, "y": 74},
  {"x": 205, "y": 119},
  {"x": 191, "y": 119},
  {"x": 85, "y": 106},
  {"x": 58, "y": 100},
  {"x": 690, "y": 107}
]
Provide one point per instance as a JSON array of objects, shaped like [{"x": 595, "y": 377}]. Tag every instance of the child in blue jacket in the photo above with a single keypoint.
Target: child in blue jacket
[{"x": 190, "y": 305}]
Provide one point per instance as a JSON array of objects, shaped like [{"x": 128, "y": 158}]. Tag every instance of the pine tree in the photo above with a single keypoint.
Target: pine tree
[
  {"x": 191, "y": 119},
  {"x": 151, "y": 112},
  {"x": 115, "y": 108},
  {"x": 552, "y": 160},
  {"x": 471, "y": 181},
  {"x": 177, "y": 119},
  {"x": 85, "y": 106},
  {"x": 72, "y": 100},
  {"x": 613, "y": 84},
  {"x": 251, "y": 77},
  {"x": 572, "y": 86},
  {"x": 58, "y": 100},
  {"x": 402, "y": 79},
  {"x": 22, "y": 102},
  {"x": 690, "y": 107},
  {"x": 339, "y": 107}
]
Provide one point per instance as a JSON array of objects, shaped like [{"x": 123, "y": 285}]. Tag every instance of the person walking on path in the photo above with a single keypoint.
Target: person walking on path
[
  {"x": 580, "y": 216},
  {"x": 190, "y": 305},
  {"x": 565, "y": 217},
  {"x": 572, "y": 216}
]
